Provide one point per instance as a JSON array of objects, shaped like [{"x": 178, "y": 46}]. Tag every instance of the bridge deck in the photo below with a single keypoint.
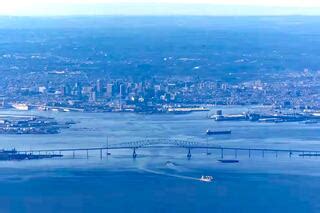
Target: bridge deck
[
  {"x": 176, "y": 147},
  {"x": 175, "y": 144}
]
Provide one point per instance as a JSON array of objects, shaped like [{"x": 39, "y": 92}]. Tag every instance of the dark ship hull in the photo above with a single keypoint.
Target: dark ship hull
[{"x": 222, "y": 132}]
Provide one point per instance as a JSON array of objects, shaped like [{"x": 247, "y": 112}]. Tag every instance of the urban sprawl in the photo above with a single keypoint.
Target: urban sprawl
[{"x": 74, "y": 91}]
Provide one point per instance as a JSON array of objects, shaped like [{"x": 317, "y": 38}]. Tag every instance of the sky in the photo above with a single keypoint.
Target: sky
[{"x": 159, "y": 7}]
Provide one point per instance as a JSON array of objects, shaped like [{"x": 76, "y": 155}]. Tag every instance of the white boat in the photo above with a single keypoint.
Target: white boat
[{"x": 206, "y": 178}]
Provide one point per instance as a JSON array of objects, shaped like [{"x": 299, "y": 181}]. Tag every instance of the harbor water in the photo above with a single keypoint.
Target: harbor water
[{"x": 162, "y": 180}]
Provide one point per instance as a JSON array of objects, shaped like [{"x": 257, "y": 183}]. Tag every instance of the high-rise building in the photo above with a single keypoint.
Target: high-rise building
[
  {"x": 99, "y": 86},
  {"x": 66, "y": 90},
  {"x": 92, "y": 96},
  {"x": 109, "y": 91}
]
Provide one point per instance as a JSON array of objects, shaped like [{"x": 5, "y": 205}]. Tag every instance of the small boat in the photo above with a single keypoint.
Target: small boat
[
  {"x": 206, "y": 178},
  {"x": 218, "y": 132},
  {"x": 70, "y": 122},
  {"x": 170, "y": 163}
]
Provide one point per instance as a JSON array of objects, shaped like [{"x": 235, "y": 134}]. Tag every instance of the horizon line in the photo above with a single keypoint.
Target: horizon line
[
  {"x": 159, "y": 15},
  {"x": 159, "y": 9}
]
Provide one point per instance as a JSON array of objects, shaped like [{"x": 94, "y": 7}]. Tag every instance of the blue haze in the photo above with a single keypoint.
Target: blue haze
[{"x": 162, "y": 9}]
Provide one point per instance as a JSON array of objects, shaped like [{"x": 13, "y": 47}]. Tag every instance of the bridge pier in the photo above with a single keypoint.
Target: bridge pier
[
  {"x": 221, "y": 153},
  {"x": 189, "y": 154},
  {"x": 134, "y": 154},
  {"x": 100, "y": 154},
  {"x": 107, "y": 152},
  {"x": 235, "y": 153},
  {"x": 208, "y": 153}
]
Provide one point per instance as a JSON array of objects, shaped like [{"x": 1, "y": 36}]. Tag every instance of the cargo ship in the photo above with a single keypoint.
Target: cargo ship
[
  {"x": 228, "y": 161},
  {"x": 22, "y": 107},
  {"x": 218, "y": 132}
]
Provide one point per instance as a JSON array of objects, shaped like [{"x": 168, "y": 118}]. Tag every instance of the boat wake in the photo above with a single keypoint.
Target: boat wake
[{"x": 169, "y": 175}]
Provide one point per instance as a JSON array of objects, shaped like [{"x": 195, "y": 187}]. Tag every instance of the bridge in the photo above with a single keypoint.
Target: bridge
[{"x": 176, "y": 144}]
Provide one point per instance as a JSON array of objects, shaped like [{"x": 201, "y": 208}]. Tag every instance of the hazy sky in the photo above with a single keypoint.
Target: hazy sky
[{"x": 158, "y": 7}]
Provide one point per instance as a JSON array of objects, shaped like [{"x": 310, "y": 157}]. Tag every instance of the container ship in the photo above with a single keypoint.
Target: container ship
[
  {"x": 218, "y": 132},
  {"x": 22, "y": 107}
]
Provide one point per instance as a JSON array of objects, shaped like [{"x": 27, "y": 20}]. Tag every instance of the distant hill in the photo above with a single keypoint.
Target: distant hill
[{"x": 176, "y": 45}]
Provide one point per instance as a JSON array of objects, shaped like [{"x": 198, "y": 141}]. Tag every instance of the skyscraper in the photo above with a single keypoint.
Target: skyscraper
[{"x": 109, "y": 91}]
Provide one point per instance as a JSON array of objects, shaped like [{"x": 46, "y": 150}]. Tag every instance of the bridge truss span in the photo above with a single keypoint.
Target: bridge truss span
[
  {"x": 154, "y": 143},
  {"x": 180, "y": 144}
]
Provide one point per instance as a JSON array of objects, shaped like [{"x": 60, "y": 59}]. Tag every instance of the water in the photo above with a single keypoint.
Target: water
[{"x": 119, "y": 183}]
